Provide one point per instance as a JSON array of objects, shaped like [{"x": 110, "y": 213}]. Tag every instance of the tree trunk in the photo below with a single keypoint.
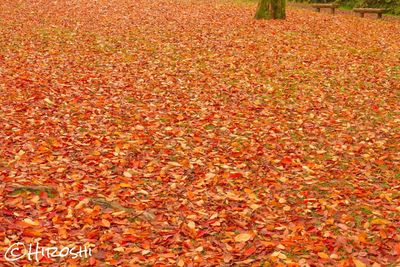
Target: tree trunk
[{"x": 271, "y": 9}]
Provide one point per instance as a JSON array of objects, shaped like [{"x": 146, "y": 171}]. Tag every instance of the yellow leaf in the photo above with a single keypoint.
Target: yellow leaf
[
  {"x": 130, "y": 232},
  {"x": 180, "y": 263},
  {"x": 191, "y": 225},
  {"x": 227, "y": 257},
  {"x": 176, "y": 164},
  {"x": 282, "y": 179},
  {"x": 359, "y": 263},
  {"x": 379, "y": 222},
  {"x": 96, "y": 153},
  {"x": 210, "y": 175},
  {"x": 35, "y": 199},
  {"x": 323, "y": 255},
  {"x": 139, "y": 127},
  {"x": 282, "y": 256},
  {"x": 125, "y": 185},
  {"x": 48, "y": 101},
  {"x": 243, "y": 237},
  {"x": 280, "y": 246},
  {"x": 29, "y": 221},
  {"x": 286, "y": 208},
  {"x": 279, "y": 254},
  {"x": 248, "y": 191},
  {"x": 105, "y": 223},
  {"x": 362, "y": 237},
  {"x": 267, "y": 243},
  {"x": 82, "y": 203},
  {"x": 127, "y": 174},
  {"x": 119, "y": 249},
  {"x": 145, "y": 252},
  {"x": 334, "y": 256}
]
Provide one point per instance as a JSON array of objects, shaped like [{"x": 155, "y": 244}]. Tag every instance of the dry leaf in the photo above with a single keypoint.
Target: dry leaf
[{"x": 244, "y": 237}]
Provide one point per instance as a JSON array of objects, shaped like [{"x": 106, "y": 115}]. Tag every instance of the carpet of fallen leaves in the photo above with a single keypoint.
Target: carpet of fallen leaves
[{"x": 185, "y": 133}]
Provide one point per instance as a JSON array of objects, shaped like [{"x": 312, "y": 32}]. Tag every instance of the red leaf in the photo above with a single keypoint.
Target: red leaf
[
  {"x": 397, "y": 249},
  {"x": 250, "y": 251},
  {"x": 235, "y": 175},
  {"x": 92, "y": 261},
  {"x": 286, "y": 161}
]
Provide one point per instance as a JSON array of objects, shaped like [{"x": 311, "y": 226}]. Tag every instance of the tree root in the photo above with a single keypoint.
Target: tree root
[
  {"x": 145, "y": 215},
  {"x": 36, "y": 189}
]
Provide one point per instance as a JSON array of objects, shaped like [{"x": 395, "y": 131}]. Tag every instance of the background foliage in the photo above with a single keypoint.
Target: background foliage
[{"x": 392, "y": 6}]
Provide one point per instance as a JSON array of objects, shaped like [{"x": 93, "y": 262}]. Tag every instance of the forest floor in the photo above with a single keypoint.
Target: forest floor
[{"x": 186, "y": 133}]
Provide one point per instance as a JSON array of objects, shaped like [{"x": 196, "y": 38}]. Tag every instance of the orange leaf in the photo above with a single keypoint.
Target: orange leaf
[
  {"x": 33, "y": 232},
  {"x": 397, "y": 248}
]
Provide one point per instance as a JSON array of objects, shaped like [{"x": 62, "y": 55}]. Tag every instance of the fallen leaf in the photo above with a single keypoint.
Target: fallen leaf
[
  {"x": 244, "y": 237},
  {"x": 359, "y": 263}
]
